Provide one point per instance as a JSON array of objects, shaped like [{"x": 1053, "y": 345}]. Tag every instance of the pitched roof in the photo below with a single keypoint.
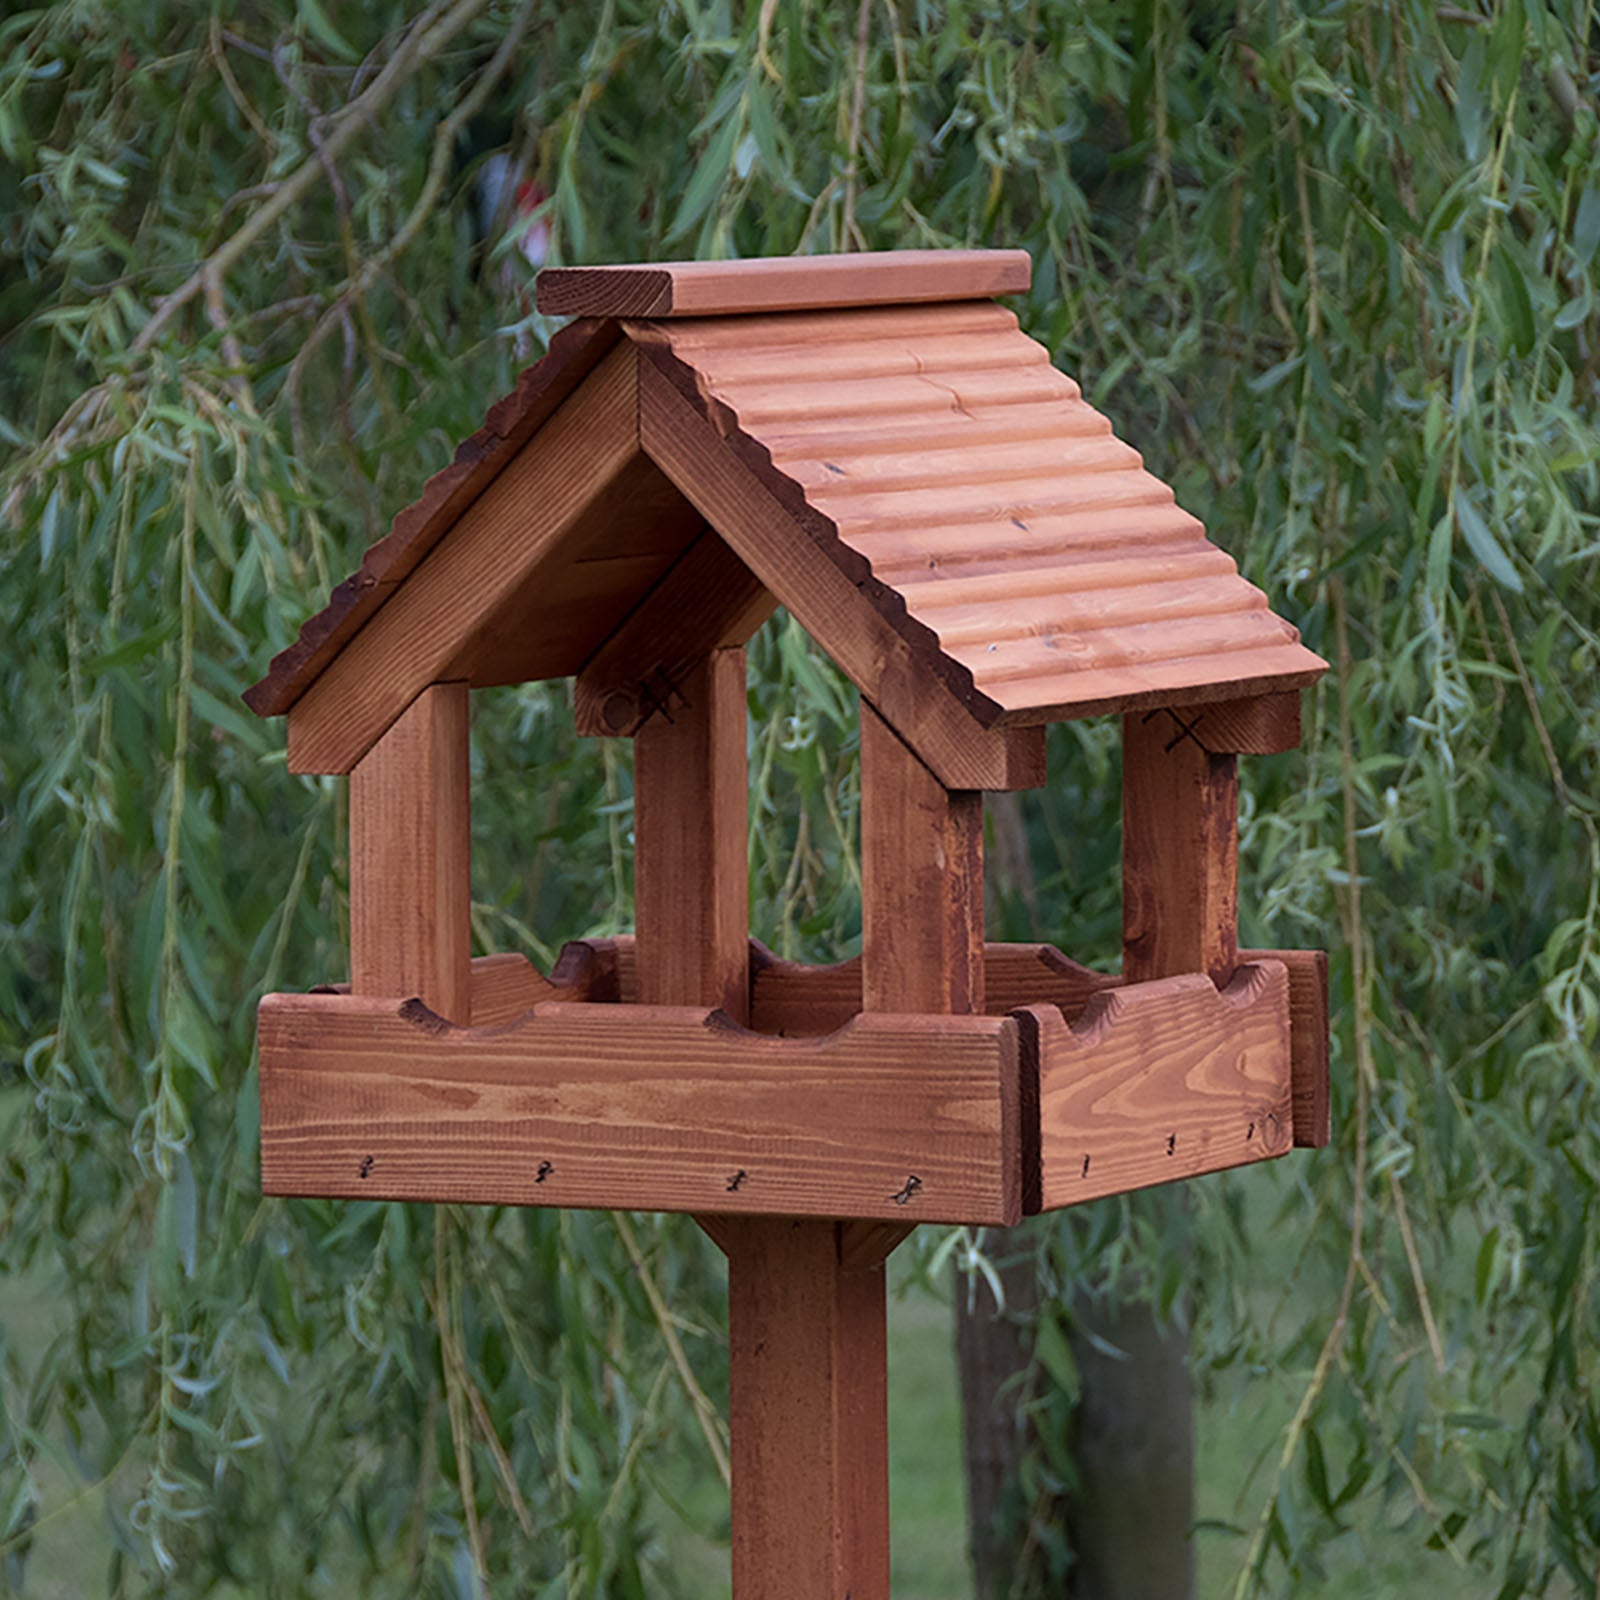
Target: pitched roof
[{"x": 976, "y": 502}]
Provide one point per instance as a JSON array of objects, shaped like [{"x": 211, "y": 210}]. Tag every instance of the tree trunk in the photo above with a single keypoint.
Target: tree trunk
[
  {"x": 1133, "y": 1446},
  {"x": 993, "y": 1348},
  {"x": 1128, "y": 1522}
]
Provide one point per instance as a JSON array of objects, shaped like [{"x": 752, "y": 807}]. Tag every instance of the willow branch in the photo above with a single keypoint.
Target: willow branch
[{"x": 419, "y": 47}]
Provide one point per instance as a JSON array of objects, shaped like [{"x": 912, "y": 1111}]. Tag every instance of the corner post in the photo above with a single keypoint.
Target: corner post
[
  {"x": 410, "y": 858},
  {"x": 1180, "y": 851}
]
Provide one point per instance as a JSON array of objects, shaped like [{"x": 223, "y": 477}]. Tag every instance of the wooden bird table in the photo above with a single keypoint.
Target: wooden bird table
[{"x": 871, "y": 443}]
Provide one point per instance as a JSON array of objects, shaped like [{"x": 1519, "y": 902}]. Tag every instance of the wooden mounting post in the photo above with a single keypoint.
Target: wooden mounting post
[
  {"x": 410, "y": 888},
  {"x": 1180, "y": 852}
]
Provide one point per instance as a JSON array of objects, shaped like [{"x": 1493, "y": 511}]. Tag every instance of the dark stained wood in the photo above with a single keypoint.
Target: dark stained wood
[
  {"x": 1180, "y": 852},
  {"x": 1163, "y": 1080},
  {"x": 708, "y": 600},
  {"x": 1262, "y": 725},
  {"x": 410, "y": 868},
  {"x": 921, "y": 882},
  {"x": 791, "y": 998},
  {"x": 691, "y": 802},
  {"x": 911, "y": 687},
  {"x": 643, "y": 1108},
  {"x": 511, "y": 422},
  {"x": 808, "y": 1398},
  {"x": 1308, "y": 1039},
  {"x": 536, "y": 499},
  {"x": 781, "y": 283}
]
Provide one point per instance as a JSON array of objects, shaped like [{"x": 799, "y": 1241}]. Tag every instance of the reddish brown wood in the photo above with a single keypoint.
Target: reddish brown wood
[
  {"x": 921, "y": 882},
  {"x": 1180, "y": 852},
  {"x": 691, "y": 803},
  {"x": 1308, "y": 1039},
  {"x": 454, "y": 592},
  {"x": 786, "y": 558},
  {"x": 650, "y": 1108},
  {"x": 410, "y": 870},
  {"x": 808, "y": 1398},
  {"x": 1163, "y": 1080},
  {"x": 781, "y": 283},
  {"x": 709, "y": 600},
  {"x": 1262, "y": 725}
]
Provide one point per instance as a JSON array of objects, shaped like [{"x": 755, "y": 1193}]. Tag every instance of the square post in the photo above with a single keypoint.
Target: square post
[{"x": 410, "y": 858}]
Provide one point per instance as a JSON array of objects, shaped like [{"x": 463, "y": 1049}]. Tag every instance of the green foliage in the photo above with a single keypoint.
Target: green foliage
[{"x": 1332, "y": 269}]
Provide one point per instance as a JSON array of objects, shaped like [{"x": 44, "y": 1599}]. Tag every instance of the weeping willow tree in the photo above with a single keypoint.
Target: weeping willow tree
[{"x": 1333, "y": 270}]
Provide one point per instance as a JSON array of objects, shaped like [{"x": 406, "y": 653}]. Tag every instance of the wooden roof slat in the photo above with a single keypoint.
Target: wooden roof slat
[
  {"x": 760, "y": 406},
  {"x": 928, "y": 593},
  {"x": 957, "y": 463},
  {"x": 781, "y": 283},
  {"x": 883, "y": 357},
  {"x": 811, "y": 329},
  {"x": 1005, "y": 662},
  {"x": 1088, "y": 613},
  {"x": 959, "y": 547},
  {"x": 1006, "y": 423},
  {"x": 1017, "y": 501},
  {"x": 1137, "y": 686}
]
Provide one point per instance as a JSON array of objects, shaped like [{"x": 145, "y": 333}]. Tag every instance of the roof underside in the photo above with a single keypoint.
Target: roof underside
[{"x": 962, "y": 482}]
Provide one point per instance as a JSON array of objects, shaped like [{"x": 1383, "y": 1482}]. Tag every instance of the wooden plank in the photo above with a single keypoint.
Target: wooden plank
[
  {"x": 796, "y": 1000},
  {"x": 808, "y": 1397},
  {"x": 1308, "y": 1040},
  {"x": 410, "y": 858},
  {"x": 781, "y": 283},
  {"x": 454, "y": 591},
  {"x": 1180, "y": 853},
  {"x": 709, "y": 600},
  {"x": 639, "y": 1108},
  {"x": 1162, "y": 1080},
  {"x": 904, "y": 683},
  {"x": 1261, "y": 725},
  {"x": 691, "y": 802},
  {"x": 504, "y": 986}
]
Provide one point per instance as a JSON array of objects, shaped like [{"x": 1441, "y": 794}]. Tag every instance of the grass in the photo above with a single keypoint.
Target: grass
[{"x": 1239, "y": 1425}]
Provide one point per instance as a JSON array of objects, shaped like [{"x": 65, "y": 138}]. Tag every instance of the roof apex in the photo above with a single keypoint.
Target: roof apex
[{"x": 782, "y": 283}]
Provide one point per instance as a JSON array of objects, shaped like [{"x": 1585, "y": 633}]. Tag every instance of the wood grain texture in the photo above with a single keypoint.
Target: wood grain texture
[
  {"x": 808, "y": 1405},
  {"x": 410, "y": 858},
  {"x": 709, "y": 600},
  {"x": 904, "y": 684},
  {"x": 1162, "y": 1080},
  {"x": 454, "y": 592},
  {"x": 1308, "y": 1040},
  {"x": 640, "y": 1108},
  {"x": 1180, "y": 853},
  {"x": 691, "y": 801},
  {"x": 478, "y": 460},
  {"x": 921, "y": 882},
  {"x": 1260, "y": 725},
  {"x": 781, "y": 283},
  {"x": 507, "y": 985}
]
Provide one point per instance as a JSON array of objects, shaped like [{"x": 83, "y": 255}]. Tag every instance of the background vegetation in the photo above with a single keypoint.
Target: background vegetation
[{"x": 1331, "y": 267}]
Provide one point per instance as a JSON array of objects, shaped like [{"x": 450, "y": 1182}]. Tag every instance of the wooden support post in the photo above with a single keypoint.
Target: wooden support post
[
  {"x": 1180, "y": 852},
  {"x": 410, "y": 889},
  {"x": 691, "y": 805}
]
